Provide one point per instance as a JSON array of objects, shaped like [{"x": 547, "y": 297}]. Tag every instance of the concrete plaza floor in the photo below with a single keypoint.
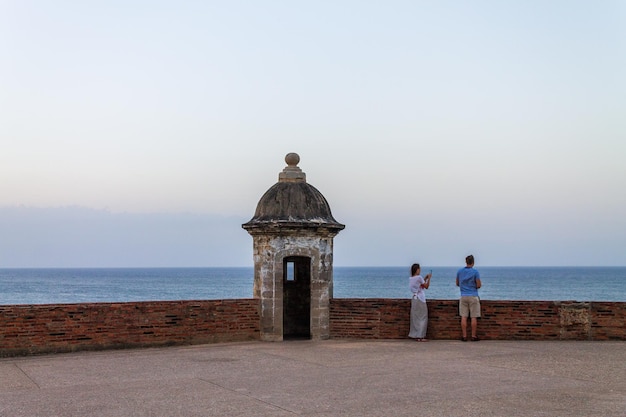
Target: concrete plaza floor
[{"x": 326, "y": 378}]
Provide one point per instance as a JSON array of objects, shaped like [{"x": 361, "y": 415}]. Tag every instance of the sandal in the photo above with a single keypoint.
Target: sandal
[
  {"x": 464, "y": 339},
  {"x": 475, "y": 339}
]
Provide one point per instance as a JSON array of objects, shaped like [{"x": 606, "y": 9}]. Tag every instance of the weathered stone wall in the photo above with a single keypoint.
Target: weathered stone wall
[
  {"x": 501, "y": 320},
  {"x": 269, "y": 252}
]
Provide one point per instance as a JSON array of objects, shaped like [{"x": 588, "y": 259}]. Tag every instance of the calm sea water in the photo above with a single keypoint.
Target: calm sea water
[{"x": 77, "y": 285}]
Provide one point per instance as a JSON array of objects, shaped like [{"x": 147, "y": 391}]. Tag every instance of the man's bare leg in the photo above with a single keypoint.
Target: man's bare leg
[{"x": 464, "y": 326}]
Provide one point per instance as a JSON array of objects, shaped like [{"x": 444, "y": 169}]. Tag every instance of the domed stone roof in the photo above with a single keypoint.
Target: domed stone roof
[{"x": 293, "y": 203}]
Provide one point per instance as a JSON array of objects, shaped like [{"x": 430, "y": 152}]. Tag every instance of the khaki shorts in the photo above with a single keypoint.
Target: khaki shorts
[{"x": 469, "y": 306}]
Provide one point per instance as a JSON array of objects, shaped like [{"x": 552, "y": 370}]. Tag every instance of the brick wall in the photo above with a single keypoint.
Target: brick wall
[
  {"x": 28, "y": 329},
  {"x": 501, "y": 320}
]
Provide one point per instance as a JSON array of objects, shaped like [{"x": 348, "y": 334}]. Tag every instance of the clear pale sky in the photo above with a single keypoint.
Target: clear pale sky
[{"x": 143, "y": 133}]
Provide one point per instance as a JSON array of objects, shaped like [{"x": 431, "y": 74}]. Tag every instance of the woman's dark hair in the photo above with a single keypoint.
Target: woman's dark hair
[{"x": 414, "y": 269}]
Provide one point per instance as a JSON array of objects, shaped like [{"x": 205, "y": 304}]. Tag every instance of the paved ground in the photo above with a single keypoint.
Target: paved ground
[{"x": 328, "y": 378}]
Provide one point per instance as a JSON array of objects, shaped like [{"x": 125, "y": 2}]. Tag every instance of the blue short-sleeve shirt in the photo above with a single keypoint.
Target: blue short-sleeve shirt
[{"x": 467, "y": 281}]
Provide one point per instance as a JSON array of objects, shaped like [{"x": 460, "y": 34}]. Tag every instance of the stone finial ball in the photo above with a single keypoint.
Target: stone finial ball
[{"x": 292, "y": 159}]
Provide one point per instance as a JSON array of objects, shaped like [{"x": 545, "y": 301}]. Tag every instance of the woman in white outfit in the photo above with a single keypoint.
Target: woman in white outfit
[{"x": 419, "y": 310}]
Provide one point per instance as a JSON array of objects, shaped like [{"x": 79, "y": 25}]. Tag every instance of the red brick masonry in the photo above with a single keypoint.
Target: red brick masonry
[
  {"x": 31, "y": 329},
  {"x": 501, "y": 320},
  {"x": 28, "y": 329}
]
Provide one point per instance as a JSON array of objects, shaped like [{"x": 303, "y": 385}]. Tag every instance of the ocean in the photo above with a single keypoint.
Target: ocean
[{"x": 80, "y": 285}]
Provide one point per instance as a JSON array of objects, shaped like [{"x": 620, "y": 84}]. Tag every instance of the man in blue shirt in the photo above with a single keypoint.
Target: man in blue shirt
[{"x": 468, "y": 280}]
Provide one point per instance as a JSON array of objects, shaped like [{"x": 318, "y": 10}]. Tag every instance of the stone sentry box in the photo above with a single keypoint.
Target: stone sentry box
[{"x": 292, "y": 231}]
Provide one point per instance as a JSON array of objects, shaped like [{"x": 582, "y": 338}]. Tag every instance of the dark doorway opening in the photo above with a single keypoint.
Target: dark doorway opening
[{"x": 296, "y": 297}]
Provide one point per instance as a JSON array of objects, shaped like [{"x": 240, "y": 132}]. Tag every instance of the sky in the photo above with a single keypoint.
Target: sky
[{"x": 143, "y": 133}]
